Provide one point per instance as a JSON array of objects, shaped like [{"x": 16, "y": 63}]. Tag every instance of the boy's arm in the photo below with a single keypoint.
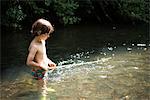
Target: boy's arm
[
  {"x": 30, "y": 59},
  {"x": 51, "y": 64}
]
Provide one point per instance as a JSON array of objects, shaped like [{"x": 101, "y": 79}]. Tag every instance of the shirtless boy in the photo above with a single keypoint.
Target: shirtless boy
[{"x": 37, "y": 57}]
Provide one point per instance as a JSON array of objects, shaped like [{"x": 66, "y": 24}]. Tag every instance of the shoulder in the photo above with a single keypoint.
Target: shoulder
[{"x": 32, "y": 47}]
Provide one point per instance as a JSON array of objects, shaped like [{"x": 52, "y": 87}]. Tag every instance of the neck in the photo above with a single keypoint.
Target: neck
[{"x": 38, "y": 39}]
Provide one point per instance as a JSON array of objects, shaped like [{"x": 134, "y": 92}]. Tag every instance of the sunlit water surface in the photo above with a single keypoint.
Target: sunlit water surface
[
  {"x": 101, "y": 64},
  {"x": 117, "y": 74}
]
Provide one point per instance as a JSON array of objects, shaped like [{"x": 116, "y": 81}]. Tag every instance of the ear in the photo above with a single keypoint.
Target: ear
[{"x": 39, "y": 32}]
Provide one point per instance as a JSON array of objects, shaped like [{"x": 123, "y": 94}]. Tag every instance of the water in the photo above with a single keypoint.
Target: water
[{"x": 106, "y": 71}]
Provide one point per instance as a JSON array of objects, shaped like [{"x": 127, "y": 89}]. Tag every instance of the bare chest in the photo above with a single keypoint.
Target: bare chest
[{"x": 41, "y": 50}]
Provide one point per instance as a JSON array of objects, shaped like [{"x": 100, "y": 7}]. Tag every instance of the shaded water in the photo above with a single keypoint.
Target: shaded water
[{"x": 90, "y": 66}]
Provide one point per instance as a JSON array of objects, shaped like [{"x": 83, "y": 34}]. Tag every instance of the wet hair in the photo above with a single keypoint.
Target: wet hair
[{"x": 41, "y": 26}]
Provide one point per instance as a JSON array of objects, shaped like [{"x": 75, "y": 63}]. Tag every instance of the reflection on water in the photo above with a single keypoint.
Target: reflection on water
[
  {"x": 101, "y": 76},
  {"x": 103, "y": 64}
]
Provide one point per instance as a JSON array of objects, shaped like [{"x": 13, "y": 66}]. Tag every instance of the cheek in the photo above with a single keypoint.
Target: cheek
[{"x": 46, "y": 37}]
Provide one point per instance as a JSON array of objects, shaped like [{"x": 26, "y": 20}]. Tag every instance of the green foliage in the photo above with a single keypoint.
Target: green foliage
[
  {"x": 13, "y": 16},
  {"x": 15, "y": 13},
  {"x": 35, "y": 9},
  {"x": 139, "y": 9},
  {"x": 65, "y": 10}
]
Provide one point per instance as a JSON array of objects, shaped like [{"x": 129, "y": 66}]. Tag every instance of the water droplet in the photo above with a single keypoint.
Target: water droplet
[
  {"x": 103, "y": 76},
  {"x": 101, "y": 53},
  {"x": 78, "y": 55},
  {"x": 113, "y": 54},
  {"x": 110, "y": 48},
  {"x": 92, "y": 51},
  {"x": 129, "y": 49},
  {"x": 108, "y": 43},
  {"x": 114, "y": 27},
  {"x": 105, "y": 54},
  {"x": 125, "y": 98},
  {"x": 145, "y": 49},
  {"x": 88, "y": 57},
  {"x": 141, "y": 45},
  {"x": 123, "y": 44},
  {"x": 135, "y": 67},
  {"x": 87, "y": 52}
]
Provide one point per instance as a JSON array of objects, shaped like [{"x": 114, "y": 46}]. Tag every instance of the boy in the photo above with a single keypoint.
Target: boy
[{"x": 37, "y": 57}]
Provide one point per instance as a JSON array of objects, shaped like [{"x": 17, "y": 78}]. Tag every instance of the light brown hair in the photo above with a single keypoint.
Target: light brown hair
[{"x": 41, "y": 26}]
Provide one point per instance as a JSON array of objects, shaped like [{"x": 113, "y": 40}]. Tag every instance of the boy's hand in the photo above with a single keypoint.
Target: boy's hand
[
  {"x": 46, "y": 68},
  {"x": 52, "y": 65}
]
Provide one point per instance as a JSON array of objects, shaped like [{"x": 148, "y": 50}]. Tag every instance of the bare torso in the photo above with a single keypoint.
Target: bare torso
[{"x": 40, "y": 56}]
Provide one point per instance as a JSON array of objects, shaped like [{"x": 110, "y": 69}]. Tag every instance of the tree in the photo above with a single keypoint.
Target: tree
[{"x": 14, "y": 12}]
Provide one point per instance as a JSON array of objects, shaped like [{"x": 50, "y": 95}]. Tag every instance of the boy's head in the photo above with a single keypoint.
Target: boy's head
[{"x": 42, "y": 26}]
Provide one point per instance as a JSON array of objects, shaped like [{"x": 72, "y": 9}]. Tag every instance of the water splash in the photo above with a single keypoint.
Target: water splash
[{"x": 61, "y": 70}]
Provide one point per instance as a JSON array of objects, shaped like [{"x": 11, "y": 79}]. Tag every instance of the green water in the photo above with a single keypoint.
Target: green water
[
  {"x": 121, "y": 75},
  {"x": 95, "y": 70}
]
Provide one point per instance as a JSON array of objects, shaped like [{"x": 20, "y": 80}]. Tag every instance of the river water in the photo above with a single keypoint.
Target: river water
[{"x": 93, "y": 63}]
